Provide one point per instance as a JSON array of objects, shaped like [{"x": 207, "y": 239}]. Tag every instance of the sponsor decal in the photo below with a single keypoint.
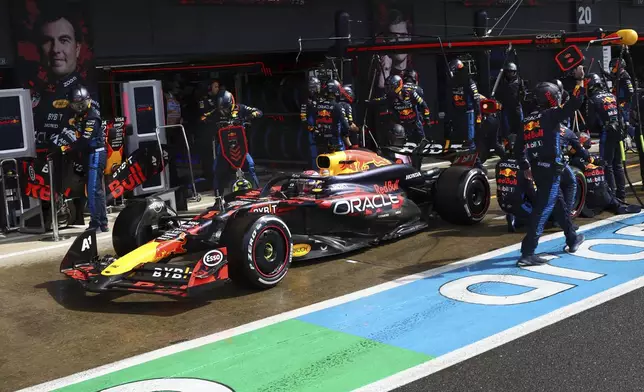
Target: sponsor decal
[
  {"x": 134, "y": 179},
  {"x": 264, "y": 209},
  {"x": 533, "y": 135},
  {"x": 251, "y": 243},
  {"x": 9, "y": 120},
  {"x": 389, "y": 186},
  {"x": 68, "y": 83},
  {"x": 60, "y": 103},
  {"x": 364, "y": 205},
  {"x": 157, "y": 206},
  {"x": 507, "y": 181},
  {"x": 300, "y": 250},
  {"x": 412, "y": 176},
  {"x": 508, "y": 173},
  {"x": 144, "y": 108},
  {"x": 336, "y": 187},
  {"x": 87, "y": 244},
  {"x": 213, "y": 258},
  {"x": 171, "y": 272},
  {"x": 171, "y": 384}
]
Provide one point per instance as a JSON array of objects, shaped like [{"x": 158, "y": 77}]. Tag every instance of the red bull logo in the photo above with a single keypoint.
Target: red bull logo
[
  {"x": 459, "y": 101},
  {"x": 134, "y": 179},
  {"x": 387, "y": 187},
  {"x": 529, "y": 126},
  {"x": 171, "y": 247},
  {"x": 324, "y": 113},
  {"x": 533, "y": 135},
  {"x": 507, "y": 176}
]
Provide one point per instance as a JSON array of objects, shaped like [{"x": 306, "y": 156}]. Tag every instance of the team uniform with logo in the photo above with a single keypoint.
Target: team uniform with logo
[
  {"x": 327, "y": 122},
  {"x": 91, "y": 139},
  {"x": 410, "y": 110},
  {"x": 538, "y": 148},
  {"x": 222, "y": 170},
  {"x": 466, "y": 104},
  {"x": 604, "y": 120}
]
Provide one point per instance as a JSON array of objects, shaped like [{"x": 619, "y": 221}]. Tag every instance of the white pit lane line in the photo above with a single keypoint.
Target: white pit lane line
[{"x": 398, "y": 379}]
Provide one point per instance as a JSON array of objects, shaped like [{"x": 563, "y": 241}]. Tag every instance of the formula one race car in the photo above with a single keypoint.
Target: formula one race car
[{"x": 252, "y": 236}]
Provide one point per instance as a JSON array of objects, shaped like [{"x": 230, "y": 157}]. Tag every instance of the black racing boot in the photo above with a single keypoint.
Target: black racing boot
[
  {"x": 572, "y": 248},
  {"x": 531, "y": 260}
]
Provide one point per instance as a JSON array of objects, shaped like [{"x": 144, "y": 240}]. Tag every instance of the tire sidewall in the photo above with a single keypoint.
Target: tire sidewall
[
  {"x": 466, "y": 184},
  {"x": 582, "y": 187},
  {"x": 250, "y": 237}
]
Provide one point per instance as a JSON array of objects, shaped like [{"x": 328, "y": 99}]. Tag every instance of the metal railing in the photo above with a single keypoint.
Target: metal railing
[
  {"x": 3, "y": 188},
  {"x": 52, "y": 198},
  {"x": 196, "y": 197}
]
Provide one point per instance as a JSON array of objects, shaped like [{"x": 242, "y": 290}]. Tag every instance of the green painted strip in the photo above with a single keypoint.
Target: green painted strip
[{"x": 288, "y": 356}]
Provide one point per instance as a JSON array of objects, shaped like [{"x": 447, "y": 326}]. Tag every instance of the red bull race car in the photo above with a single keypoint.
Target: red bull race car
[{"x": 252, "y": 236}]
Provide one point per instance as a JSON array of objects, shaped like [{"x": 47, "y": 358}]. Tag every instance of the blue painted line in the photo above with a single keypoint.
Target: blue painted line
[{"x": 416, "y": 316}]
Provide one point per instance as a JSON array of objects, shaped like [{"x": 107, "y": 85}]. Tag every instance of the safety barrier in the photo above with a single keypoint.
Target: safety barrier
[{"x": 196, "y": 197}]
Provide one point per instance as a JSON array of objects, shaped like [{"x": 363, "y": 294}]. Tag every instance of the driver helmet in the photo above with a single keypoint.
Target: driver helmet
[
  {"x": 308, "y": 185},
  {"x": 79, "y": 99},
  {"x": 397, "y": 136},
  {"x": 242, "y": 184},
  {"x": 225, "y": 104}
]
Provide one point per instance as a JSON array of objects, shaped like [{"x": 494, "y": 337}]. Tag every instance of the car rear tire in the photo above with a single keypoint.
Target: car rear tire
[
  {"x": 462, "y": 195},
  {"x": 129, "y": 231},
  {"x": 580, "y": 196},
  {"x": 260, "y": 251}
]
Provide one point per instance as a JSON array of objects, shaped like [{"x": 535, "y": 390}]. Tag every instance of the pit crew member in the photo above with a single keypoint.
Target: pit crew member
[
  {"x": 90, "y": 141},
  {"x": 510, "y": 94},
  {"x": 228, "y": 112},
  {"x": 327, "y": 122},
  {"x": 604, "y": 120},
  {"x": 538, "y": 153}
]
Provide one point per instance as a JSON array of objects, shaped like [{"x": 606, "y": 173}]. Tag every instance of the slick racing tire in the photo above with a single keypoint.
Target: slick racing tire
[
  {"x": 580, "y": 196},
  {"x": 462, "y": 195},
  {"x": 260, "y": 251},
  {"x": 133, "y": 228}
]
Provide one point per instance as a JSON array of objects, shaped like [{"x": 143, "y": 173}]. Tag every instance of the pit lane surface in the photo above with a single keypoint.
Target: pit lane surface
[{"x": 52, "y": 330}]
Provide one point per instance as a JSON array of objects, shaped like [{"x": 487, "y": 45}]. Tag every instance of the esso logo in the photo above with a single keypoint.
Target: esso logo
[{"x": 213, "y": 258}]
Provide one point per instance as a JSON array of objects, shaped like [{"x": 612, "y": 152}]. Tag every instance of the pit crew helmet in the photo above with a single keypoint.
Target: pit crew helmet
[
  {"x": 347, "y": 94},
  {"x": 410, "y": 76},
  {"x": 617, "y": 65},
  {"x": 584, "y": 140},
  {"x": 315, "y": 86},
  {"x": 510, "y": 71},
  {"x": 397, "y": 136},
  {"x": 547, "y": 95},
  {"x": 332, "y": 89},
  {"x": 594, "y": 83},
  {"x": 242, "y": 184},
  {"x": 456, "y": 66},
  {"x": 225, "y": 104},
  {"x": 79, "y": 99},
  {"x": 394, "y": 85}
]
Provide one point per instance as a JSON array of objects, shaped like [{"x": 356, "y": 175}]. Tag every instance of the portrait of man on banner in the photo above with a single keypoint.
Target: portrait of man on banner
[
  {"x": 392, "y": 22},
  {"x": 54, "y": 56}
]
